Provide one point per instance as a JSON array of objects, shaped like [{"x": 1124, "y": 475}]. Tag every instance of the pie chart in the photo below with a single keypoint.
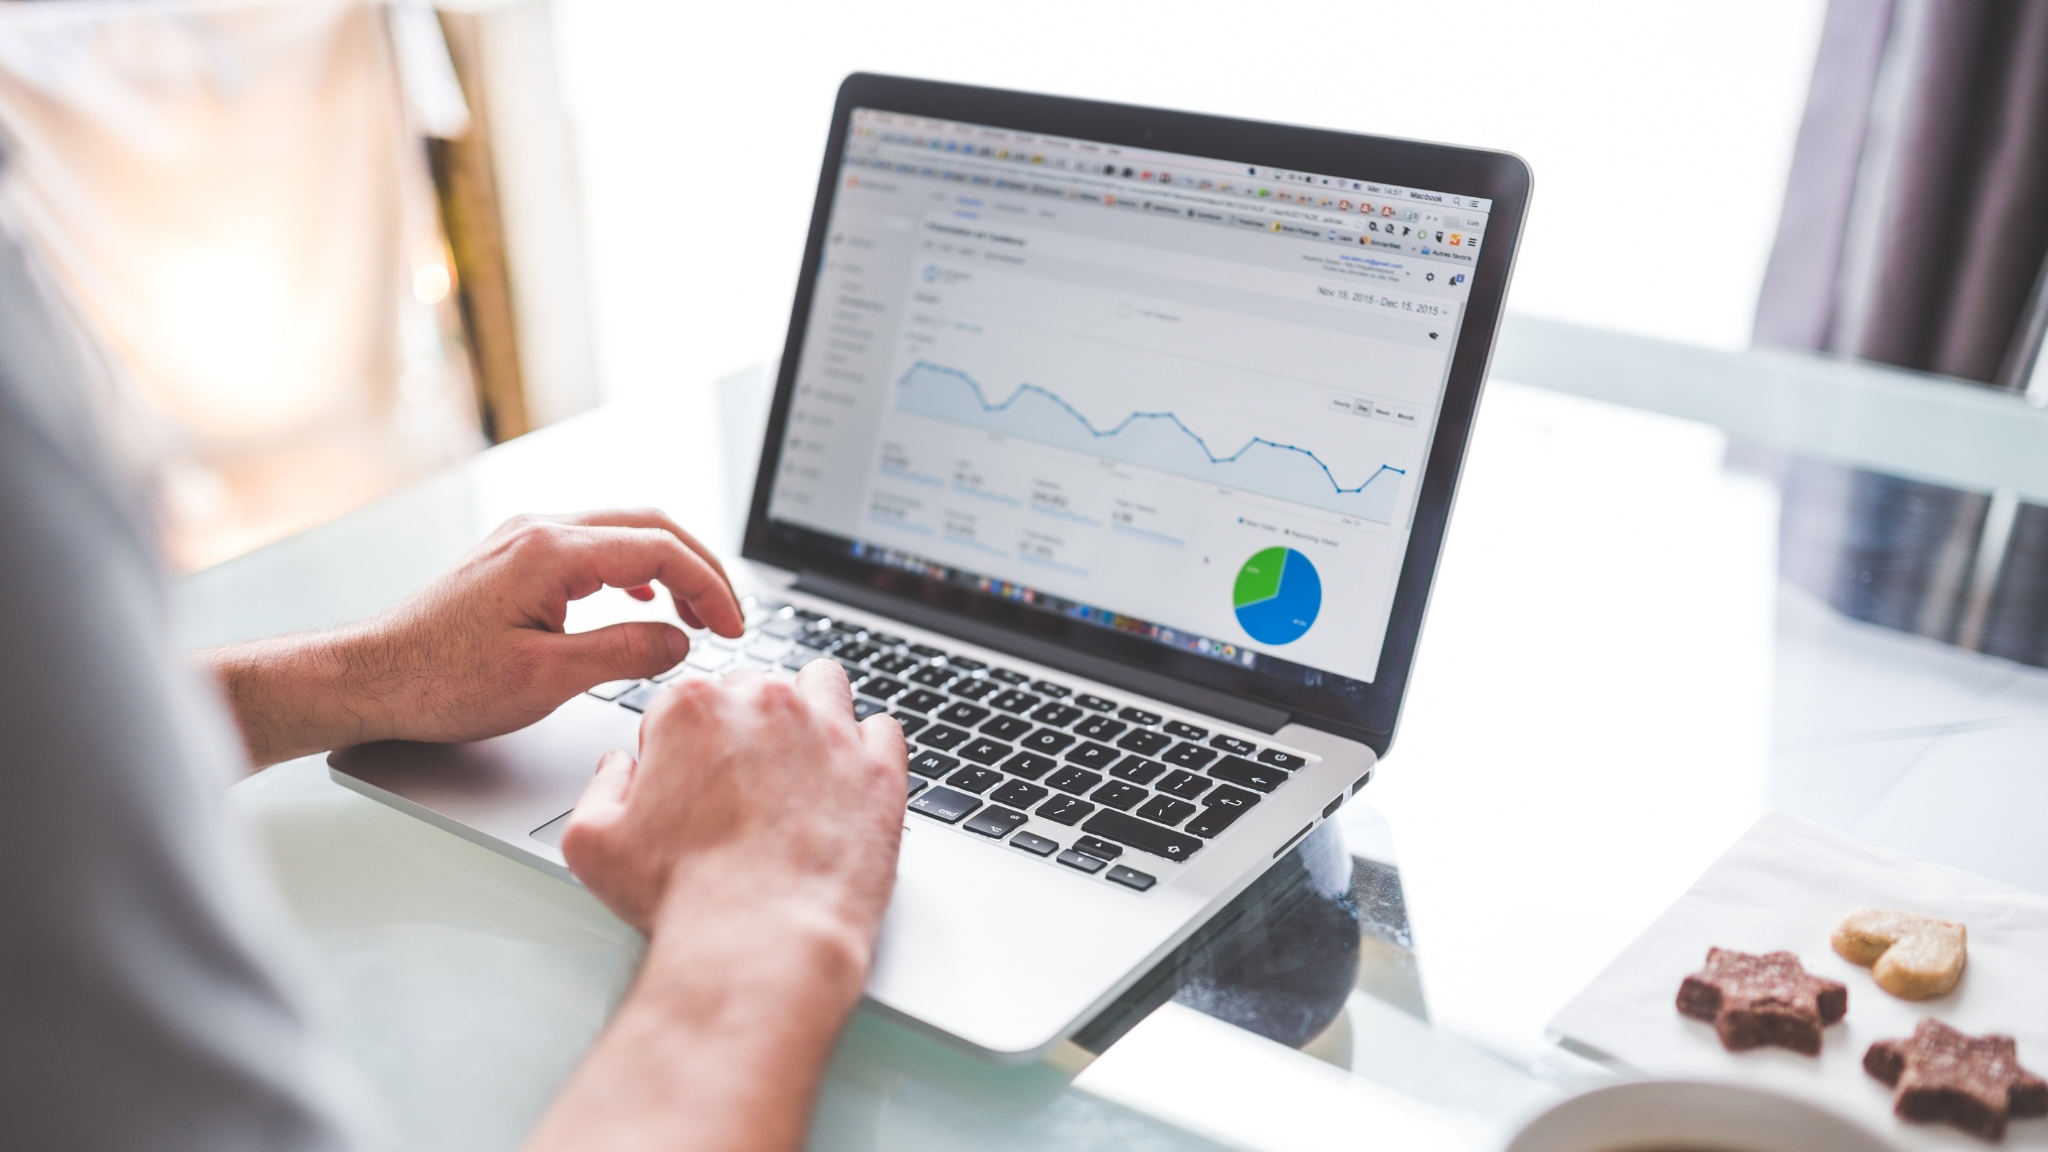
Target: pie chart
[{"x": 1277, "y": 595}]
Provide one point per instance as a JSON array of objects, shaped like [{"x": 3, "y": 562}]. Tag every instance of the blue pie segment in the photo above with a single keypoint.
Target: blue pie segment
[{"x": 1277, "y": 596}]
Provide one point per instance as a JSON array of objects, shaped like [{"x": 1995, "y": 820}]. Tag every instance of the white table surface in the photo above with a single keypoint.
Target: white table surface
[{"x": 1611, "y": 686}]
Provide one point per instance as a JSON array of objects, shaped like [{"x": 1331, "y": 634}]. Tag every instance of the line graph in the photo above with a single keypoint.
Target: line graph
[{"x": 1156, "y": 440}]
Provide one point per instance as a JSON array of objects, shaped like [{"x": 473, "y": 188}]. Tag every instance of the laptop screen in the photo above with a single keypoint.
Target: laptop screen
[{"x": 1185, "y": 398}]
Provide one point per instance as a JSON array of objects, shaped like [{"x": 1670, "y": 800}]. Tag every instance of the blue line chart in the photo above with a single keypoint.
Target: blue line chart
[{"x": 1156, "y": 440}]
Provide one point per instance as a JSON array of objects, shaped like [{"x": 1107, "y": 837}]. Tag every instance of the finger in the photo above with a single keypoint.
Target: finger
[
  {"x": 603, "y": 801},
  {"x": 882, "y": 735},
  {"x": 629, "y": 651},
  {"x": 643, "y": 593},
  {"x": 823, "y": 683},
  {"x": 654, "y": 518},
  {"x": 594, "y": 556}
]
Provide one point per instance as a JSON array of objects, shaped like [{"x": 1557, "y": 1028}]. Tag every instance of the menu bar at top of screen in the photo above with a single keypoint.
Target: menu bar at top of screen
[{"x": 1064, "y": 154}]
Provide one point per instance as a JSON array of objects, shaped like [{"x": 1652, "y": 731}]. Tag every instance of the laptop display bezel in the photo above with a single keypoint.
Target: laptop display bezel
[{"x": 1500, "y": 177}]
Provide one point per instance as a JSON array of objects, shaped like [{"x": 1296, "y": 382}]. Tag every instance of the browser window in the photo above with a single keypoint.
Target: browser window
[{"x": 1181, "y": 397}]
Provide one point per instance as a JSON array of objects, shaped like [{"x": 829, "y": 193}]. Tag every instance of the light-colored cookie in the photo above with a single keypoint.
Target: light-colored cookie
[{"x": 1909, "y": 956}]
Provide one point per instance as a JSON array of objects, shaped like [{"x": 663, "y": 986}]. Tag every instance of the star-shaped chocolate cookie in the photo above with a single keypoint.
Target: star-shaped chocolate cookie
[
  {"x": 1946, "y": 1077},
  {"x": 1757, "y": 1000}
]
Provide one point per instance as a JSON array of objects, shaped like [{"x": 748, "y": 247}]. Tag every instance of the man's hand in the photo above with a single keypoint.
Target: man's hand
[
  {"x": 480, "y": 651},
  {"x": 755, "y": 842}
]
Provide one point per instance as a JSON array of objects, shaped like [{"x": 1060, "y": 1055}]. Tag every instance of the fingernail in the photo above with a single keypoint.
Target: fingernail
[{"x": 678, "y": 645}]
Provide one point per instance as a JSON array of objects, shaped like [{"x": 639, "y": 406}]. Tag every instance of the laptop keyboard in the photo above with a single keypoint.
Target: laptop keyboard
[{"x": 1086, "y": 782}]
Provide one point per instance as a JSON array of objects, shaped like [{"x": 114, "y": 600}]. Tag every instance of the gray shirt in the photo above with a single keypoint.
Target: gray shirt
[{"x": 140, "y": 1005}]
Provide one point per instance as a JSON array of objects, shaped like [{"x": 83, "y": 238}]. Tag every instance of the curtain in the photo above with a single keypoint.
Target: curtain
[
  {"x": 233, "y": 197},
  {"x": 1914, "y": 233}
]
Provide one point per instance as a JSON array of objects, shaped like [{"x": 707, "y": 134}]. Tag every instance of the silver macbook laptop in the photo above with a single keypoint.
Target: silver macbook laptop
[{"x": 1111, "y": 453}]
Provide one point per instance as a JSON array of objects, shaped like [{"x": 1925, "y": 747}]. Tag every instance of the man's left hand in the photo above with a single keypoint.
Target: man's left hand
[{"x": 481, "y": 651}]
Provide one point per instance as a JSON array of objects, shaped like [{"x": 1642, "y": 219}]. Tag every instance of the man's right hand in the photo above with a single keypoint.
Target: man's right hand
[
  {"x": 755, "y": 843},
  {"x": 750, "y": 789}
]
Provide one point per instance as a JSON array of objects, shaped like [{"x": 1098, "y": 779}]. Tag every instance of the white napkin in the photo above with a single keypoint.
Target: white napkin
[{"x": 1785, "y": 885}]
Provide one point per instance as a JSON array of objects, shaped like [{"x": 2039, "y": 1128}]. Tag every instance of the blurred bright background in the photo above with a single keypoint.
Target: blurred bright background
[{"x": 1660, "y": 135}]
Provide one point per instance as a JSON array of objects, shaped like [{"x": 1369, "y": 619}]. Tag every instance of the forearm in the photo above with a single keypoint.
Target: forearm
[
  {"x": 723, "y": 1041},
  {"x": 298, "y": 694}
]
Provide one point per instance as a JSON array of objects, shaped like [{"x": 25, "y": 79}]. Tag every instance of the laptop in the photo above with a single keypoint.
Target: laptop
[{"x": 1111, "y": 452}]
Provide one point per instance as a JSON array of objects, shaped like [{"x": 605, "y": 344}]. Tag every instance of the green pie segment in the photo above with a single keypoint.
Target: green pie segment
[{"x": 1277, "y": 596}]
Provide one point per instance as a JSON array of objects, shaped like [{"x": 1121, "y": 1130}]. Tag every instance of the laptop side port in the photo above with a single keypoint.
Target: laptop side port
[{"x": 1292, "y": 840}]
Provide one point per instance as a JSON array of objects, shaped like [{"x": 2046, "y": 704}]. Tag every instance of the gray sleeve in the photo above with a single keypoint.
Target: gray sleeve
[{"x": 140, "y": 1005}]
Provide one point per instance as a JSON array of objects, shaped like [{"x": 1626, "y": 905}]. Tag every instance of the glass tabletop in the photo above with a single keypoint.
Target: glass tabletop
[{"x": 1613, "y": 683}]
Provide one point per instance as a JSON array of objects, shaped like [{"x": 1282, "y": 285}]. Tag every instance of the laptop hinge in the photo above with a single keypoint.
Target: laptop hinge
[{"x": 1194, "y": 697}]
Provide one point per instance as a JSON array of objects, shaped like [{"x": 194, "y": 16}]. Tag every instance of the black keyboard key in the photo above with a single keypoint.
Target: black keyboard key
[
  {"x": 1138, "y": 770},
  {"x": 796, "y": 660},
  {"x": 935, "y": 676},
  {"x": 1233, "y": 745},
  {"x": 966, "y": 665},
  {"x": 918, "y": 784},
  {"x": 859, "y": 653},
  {"x": 1184, "y": 731},
  {"x": 820, "y": 641},
  {"x": 1274, "y": 758},
  {"x": 1097, "y": 756},
  {"x": 1099, "y": 728},
  {"x": 1118, "y": 795},
  {"x": 973, "y": 689},
  {"x": 1095, "y": 703},
  {"x": 932, "y": 764},
  {"x": 1145, "y": 743},
  {"x": 1127, "y": 829},
  {"x": 945, "y": 804},
  {"x": 1189, "y": 756},
  {"x": 1046, "y": 740},
  {"x": 1098, "y": 848},
  {"x": 922, "y": 700},
  {"x": 1082, "y": 860},
  {"x": 983, "y": 750},
  {"x": 1257, "y": 777},
  {"x": 1008, "y": 676},
  {"x": 863, "y": 708},
  {"x": 1029, "y": 765},
  {"x": 854, "y": 672},
  {"x": 881, "y": 687},
  {"x": 885, "y": 640},
  {"x": 1166, "y": 810},
  {"x": 1057, "y": 715},
  {"x": 925, "y": 651},
  {"x": 975, "y": 780},
  {"x": 995, "y": 823},
  {"x": 613, "y": 689},
  {"x": 1014, "y": 701},
  {"x": 1211, "y": 822},
  {"x": 1132, "y": 878},
  {"x": 1227, "y": 797},
  {"x": 1035, "y": 844},
  {"x": 639, "y": 698},
  {"x": 1185, "y": 785},
  {"x": 1048, "y": 688},
  {"x": 1138, "y": 716},
  {"x": 941, "y": 737},
  {"x": 962, "y": 713},
  {"x": 911, "y": 721},
  {"x": 1018, "y": 794},
  {"x": 893, "y": 663},
  {"x": 1006, "y": 728},
  {"x": 1065, "y": 810},
  {"x": 1073, "y": 780},
  {"x": 811, "y": 617}
]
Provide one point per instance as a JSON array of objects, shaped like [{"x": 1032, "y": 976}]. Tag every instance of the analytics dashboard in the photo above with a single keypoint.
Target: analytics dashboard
[{"x": 1182, "y": 397}]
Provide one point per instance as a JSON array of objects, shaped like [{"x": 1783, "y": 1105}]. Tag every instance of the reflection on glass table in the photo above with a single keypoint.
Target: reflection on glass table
[{"x": 1613, "y": 684}]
